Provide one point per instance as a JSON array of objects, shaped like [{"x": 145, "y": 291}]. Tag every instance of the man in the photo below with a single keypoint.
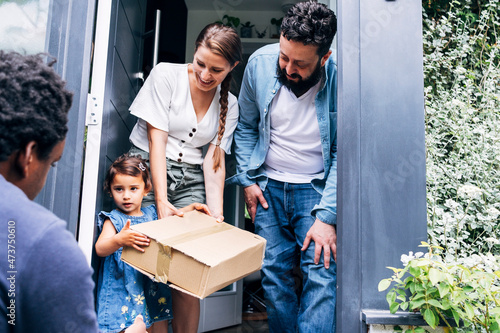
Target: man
[
  {"x": 286, "y": 153},
  {"x": 45, "y": 282}
]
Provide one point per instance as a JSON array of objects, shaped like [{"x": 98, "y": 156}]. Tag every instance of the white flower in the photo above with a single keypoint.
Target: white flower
[
  {"x": 451, "y": 203},
  {"x": 470, "y": 191},
  {"x": 456, "y": 102},
  {"x": 405, "y": 259},
  {"x": 493, "y": 212},
  {"x": 124, "y": 309},
  {"x": 492, "y": 240}
]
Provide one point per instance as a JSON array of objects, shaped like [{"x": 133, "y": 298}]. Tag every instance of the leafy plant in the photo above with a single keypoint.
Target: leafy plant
[
  {"x": 230, "y": 21},
  {"x": 462, "y": 98},
  {"x": 261, "y": 34},
  {"x": 277, "y": 22},
  {"x": 247, "y": 25},
  {"x": 452, "y": 293}
]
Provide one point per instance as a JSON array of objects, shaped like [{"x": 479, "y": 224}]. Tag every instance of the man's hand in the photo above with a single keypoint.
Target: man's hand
[
  {"x": 325, "y": 238},
  {"x": 254, "y": 196}
]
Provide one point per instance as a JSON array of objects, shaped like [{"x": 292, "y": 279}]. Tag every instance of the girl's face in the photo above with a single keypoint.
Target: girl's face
[
  {"x": 210, "y": 69},
  {"x": 127, "y": 192}
]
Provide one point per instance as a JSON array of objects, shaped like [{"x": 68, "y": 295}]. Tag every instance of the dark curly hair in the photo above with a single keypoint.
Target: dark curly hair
[
  {"x": 311, "y": 23},
  {"x": 34, "y": 104}
]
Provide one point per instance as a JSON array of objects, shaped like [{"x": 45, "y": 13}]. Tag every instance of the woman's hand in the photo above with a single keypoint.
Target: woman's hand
[
  {"x": 129, "y": 237},
  {"x": 166, "y": 209},
  {"x": 201, "y": 208}
]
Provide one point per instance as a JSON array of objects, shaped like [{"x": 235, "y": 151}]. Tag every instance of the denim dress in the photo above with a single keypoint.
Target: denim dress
[{"x": 123, "y": 292}]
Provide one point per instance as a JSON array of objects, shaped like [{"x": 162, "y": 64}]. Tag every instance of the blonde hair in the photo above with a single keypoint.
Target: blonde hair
[{"x": 223, "y": 41}]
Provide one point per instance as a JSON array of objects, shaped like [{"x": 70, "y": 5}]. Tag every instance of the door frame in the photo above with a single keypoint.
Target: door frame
[{"x": 94, "y": 117}]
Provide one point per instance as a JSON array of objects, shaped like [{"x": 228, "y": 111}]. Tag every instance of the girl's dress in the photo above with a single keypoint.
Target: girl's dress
[{"x": 124, "y": 292}]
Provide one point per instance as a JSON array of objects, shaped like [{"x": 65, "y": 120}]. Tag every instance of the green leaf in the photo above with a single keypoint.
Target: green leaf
[
  {"x": 434, "y": 303},
  {"x": 414, "y": 305},
  {"x": 436, "y": 276},
  {"x": 384, "y": 284},
  {"x": 390, "y": 297},
  {"x": 469, "y": 310},
  {"x": 394, "y": 307},
  {"x": 456, "y": 316},
  {"x": 401, "y": 292},
  {"x": 430, "y": 318},
  {"x": 404, "y": 306},
  {"x": 443, "y": 289},
  {"x": 468, "y": 289}
]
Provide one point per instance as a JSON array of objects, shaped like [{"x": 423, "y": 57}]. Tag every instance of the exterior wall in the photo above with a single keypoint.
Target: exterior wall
[{"x": 381, "y": 192}]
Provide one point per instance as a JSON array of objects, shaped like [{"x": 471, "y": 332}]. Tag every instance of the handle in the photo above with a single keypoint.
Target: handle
[{"x": 157, "y": 37}]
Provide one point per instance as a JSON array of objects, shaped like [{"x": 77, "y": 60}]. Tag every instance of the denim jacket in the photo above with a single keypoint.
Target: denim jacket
[{"x": 252, "y": 135}]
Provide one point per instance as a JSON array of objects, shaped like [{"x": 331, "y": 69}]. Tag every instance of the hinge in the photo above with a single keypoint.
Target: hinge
[{"x": 92, "y": 111}]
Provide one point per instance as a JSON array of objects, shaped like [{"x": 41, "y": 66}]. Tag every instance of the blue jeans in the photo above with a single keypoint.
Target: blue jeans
[{"x": 297, "y": 301}]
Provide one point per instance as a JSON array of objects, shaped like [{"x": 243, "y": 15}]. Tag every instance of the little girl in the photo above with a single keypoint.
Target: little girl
[{"x": 123, "y": 292}]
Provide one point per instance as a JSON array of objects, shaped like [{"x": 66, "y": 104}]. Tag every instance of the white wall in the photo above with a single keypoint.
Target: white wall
[{"x": 198, "y": 19}]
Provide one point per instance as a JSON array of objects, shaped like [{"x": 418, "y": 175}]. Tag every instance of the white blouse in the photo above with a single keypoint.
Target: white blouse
[{"x": 165, "y": 102}]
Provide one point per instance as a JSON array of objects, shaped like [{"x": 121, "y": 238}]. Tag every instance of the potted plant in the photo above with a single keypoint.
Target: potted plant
[
  {"x": 230, "y": 21},
  {"x": 246, "y": 30},
  {"x": 455, "y": 294},
  {"x": 261, "y": 34},
  {"x": 277, "y": 24}
]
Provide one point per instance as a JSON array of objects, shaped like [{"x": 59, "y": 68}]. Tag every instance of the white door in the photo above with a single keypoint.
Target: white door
[{"x": 117, "y": 61}]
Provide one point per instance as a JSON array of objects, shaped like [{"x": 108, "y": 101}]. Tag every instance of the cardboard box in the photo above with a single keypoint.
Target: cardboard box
[{"x": 195, "y": 253}]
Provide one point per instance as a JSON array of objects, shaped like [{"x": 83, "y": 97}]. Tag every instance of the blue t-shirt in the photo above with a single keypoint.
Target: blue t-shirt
[
  {"x": 46, "y": 283},
  {"x": 124, "y": 292}
]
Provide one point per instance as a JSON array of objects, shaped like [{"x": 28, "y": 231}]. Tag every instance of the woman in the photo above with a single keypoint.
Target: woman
[{"x": 182, "y": 108}]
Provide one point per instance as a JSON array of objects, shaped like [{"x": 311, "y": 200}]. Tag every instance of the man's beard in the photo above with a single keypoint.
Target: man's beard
[{"x": 301, "y": 86}]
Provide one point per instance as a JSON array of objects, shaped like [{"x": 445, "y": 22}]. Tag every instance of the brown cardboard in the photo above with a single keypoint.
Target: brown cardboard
[{"x": 196, "y": 253}]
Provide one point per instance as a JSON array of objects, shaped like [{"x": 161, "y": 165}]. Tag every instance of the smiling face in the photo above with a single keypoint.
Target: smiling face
[
  {"x": 210, "y": 69},
  {"x": 128, "y": 192}
]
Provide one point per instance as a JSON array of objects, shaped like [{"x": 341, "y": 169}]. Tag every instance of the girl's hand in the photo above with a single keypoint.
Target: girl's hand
[
  {"x": 138, "y": 326},
  {"x": 129, "y": 237}
]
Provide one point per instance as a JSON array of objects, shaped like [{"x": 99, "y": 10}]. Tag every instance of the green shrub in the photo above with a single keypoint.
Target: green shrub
[
  {"x": 462, "y": 98},
  {"x": 447, "y": 294}
]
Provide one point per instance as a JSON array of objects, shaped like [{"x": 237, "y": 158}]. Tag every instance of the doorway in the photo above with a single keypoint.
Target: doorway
[{"x": 122, "y": 59}]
